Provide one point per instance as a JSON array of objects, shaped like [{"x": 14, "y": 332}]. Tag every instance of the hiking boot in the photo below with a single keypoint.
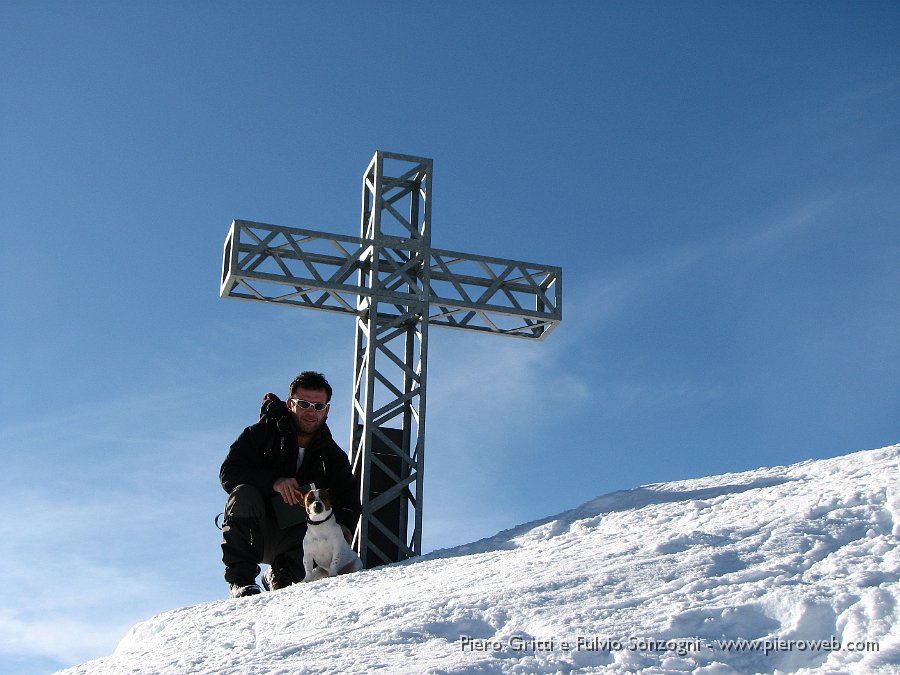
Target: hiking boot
[
  {"x": 273, "y": 581},
  {"x": 243, "y": 590}
]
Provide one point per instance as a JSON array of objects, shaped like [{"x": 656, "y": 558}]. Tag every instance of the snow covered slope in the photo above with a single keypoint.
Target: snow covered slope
[{"x": 803, "y": 561}]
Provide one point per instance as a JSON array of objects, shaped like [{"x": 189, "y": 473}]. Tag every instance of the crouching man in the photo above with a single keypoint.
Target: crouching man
[{"x": 291, "y": 446}]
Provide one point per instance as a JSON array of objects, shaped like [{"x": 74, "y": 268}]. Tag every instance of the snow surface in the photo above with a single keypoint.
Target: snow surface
[{"x": 649, "y": 579}]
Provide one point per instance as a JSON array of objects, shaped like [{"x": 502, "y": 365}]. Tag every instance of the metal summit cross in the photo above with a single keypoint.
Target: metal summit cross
[{"x": 396, "y": 285}]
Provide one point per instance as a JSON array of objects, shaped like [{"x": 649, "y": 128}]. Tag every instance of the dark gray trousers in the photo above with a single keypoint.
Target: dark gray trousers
[{"x": 250, "y": 536}]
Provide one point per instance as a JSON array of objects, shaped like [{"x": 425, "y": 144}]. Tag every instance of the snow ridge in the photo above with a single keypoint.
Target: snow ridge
[{"x": 794, "y": 569}]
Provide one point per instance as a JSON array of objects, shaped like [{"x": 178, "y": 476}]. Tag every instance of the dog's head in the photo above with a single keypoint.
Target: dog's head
[{"x": 317, "y": 503}]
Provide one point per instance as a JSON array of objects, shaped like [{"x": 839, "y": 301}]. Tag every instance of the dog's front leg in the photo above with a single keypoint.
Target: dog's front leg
[{"x": 308, "y": 564}]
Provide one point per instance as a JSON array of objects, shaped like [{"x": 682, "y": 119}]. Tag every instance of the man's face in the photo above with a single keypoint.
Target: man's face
[{"x": 308, "y": 419}]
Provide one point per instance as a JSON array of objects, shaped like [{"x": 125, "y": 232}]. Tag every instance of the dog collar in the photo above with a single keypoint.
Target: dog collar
[{"x": 310, "y": 521}]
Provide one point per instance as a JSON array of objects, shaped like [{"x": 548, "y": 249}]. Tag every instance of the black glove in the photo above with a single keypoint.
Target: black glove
[{"x": 275, "y": 412}]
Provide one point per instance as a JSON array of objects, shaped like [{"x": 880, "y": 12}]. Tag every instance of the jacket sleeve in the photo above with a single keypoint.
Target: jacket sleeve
[
  {"x": 344, "y": 487},
  {"x": 244, "y": 463}
]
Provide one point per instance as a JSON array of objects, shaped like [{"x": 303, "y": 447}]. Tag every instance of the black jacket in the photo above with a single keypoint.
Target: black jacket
[{"x": 261, "y": 454}]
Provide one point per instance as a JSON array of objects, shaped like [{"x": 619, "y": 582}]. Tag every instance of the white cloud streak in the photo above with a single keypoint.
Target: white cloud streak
[{"x": 613, "y": 292}]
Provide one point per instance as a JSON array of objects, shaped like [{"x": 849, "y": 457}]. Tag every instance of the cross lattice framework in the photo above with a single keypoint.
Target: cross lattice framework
[{"x": 396, "y": 286}]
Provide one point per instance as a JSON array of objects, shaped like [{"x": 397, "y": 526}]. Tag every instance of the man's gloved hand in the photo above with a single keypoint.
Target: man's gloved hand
[{"x": 275, "y": 411}]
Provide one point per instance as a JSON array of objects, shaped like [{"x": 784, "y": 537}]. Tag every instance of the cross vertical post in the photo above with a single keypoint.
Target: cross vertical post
[
  {"x": 396, "y": 286},
  {"x": 391, "y": 350}
]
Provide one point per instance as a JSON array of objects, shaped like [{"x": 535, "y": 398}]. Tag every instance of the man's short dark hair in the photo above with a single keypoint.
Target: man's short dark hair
[{"x": 309, "y": 379}]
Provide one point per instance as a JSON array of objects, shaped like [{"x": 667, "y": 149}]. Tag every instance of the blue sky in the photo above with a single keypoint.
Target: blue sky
[{"x": 718, "y": 181}]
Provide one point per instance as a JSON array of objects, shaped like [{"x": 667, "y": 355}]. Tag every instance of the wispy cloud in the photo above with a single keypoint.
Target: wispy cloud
[
  {"x": 70, "y": 592},
  {"x": 802, "y": 217},
  {"x": 625, "y": 286},
  {"x": 110, "y": 526}
]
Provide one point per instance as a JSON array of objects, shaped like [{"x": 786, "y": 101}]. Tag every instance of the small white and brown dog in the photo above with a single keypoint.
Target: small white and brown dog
[{"x": 326, "y": 552}]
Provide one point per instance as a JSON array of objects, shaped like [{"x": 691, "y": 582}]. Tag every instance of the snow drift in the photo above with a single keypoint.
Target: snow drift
[{"x": 789, "y": 568}]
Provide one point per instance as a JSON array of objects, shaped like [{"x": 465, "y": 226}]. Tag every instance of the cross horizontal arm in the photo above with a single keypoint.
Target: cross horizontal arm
[
  {"x": 290, "y": 266},
  {"x": 305, "y": 268},
  {"x": 494, "y": 294}
]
